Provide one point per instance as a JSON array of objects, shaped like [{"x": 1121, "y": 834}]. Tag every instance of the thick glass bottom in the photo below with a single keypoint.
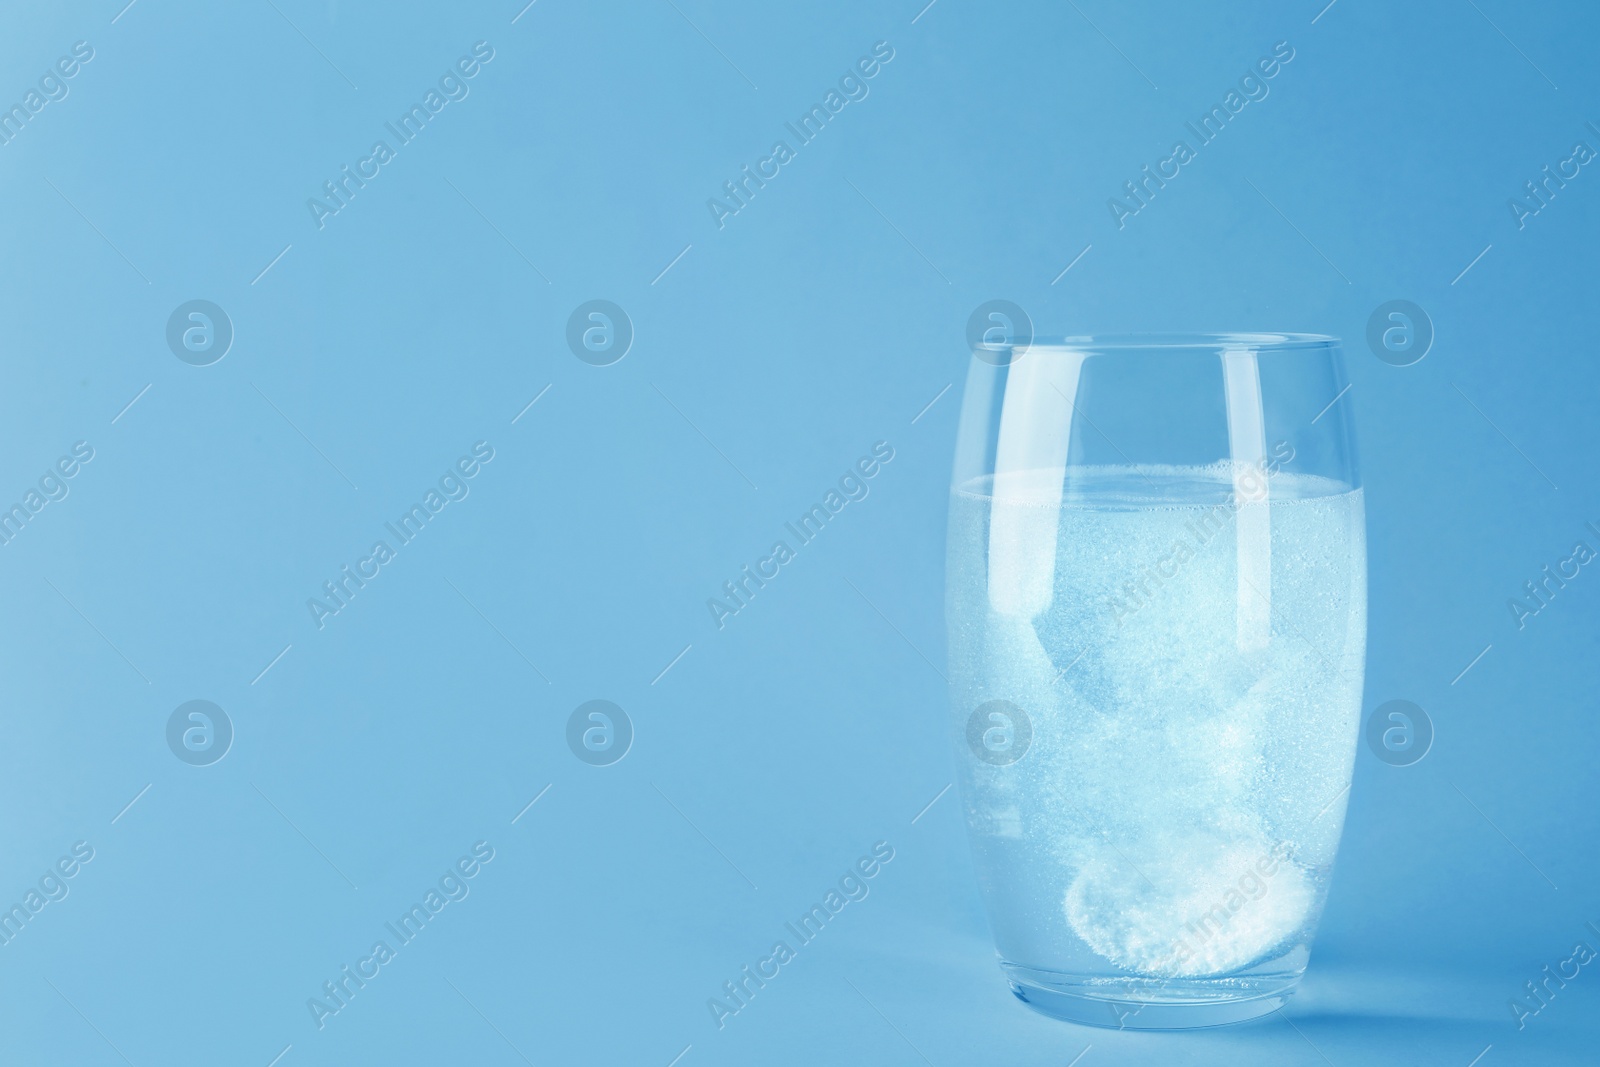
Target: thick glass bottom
[{"x": 1133, "y": 1003}]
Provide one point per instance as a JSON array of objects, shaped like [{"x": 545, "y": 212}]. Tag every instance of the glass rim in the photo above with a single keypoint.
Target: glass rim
[{"x": 1172, "y": 342}]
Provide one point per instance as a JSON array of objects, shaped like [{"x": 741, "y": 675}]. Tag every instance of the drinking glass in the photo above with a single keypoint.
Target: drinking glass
[{"x": 1156, "y": 605}]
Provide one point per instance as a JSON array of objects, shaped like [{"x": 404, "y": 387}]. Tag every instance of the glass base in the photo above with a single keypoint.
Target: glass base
[{"x": 1134, "y": 1003}]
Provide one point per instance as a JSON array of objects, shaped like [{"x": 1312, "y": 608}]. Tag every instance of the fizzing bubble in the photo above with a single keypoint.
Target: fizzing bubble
[
  {"x": 1198, "y": 907},
  {"x": 1191, "y": 671}
]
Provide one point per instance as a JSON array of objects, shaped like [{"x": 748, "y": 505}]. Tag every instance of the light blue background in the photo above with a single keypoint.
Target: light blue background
[{"x": 824, "y": 317}]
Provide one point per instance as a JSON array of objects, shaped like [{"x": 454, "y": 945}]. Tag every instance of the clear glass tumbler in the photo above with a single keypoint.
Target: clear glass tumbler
[{"x": 1156, "y": 601}]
